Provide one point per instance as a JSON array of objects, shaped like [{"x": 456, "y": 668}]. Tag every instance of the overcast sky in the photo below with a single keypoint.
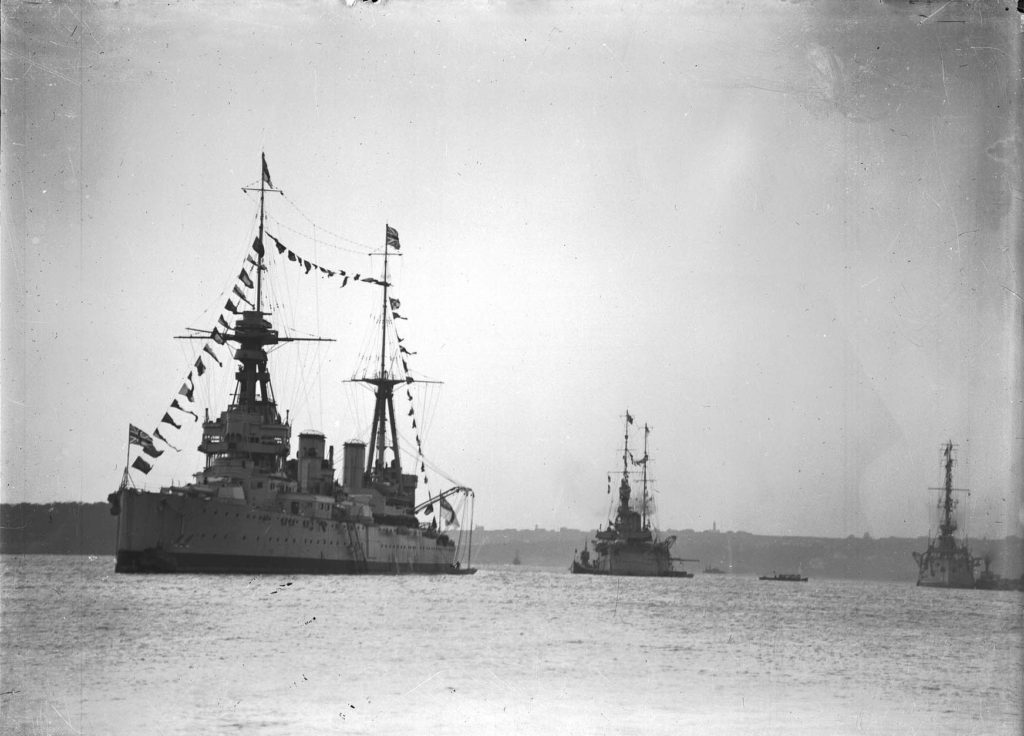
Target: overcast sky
[{"x": 784, "y": 235}]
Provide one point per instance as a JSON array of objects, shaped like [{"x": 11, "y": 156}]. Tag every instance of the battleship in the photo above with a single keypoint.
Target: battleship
[
  {"x": 947, "y": 562},
  {"x": 629, "y": 546},
  {"x": 251, "y": 508}
]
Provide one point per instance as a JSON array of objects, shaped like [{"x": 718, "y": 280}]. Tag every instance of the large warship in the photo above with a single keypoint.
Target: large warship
[
  {"x": 251, "y": 508},
  {"x": 629, "y": 545},
  {"x": 947, "y": 563}
]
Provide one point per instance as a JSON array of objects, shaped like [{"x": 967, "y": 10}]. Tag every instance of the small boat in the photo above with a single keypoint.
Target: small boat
[
  {"x": 516, "y": 560},
  {"x": 714, "y": 571},
  {"x": 988, "y": 580},
  {"x": 458, "y": 569},
  {"x": 785, "y": 577}
]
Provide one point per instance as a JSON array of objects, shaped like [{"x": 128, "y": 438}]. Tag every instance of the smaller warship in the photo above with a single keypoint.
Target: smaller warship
[
  {"x": 947, "y": 563},
  {"x": 629, "y": 546}
]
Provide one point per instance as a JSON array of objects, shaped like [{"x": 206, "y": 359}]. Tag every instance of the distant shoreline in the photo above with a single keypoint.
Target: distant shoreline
[{"x": 72, "y": 528}]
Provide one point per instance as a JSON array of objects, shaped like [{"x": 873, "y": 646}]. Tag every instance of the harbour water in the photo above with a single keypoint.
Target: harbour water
[{"x": 509, "y": 650}]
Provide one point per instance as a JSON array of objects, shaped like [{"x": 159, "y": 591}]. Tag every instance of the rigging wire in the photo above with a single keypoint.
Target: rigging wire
[{"x": 332, "y": 234}]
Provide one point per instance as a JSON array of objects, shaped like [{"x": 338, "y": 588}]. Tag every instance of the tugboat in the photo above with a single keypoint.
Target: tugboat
[
  {"x": 988, "y": 580},
  {"x": 250, "y": 509},
  {"x": 629, "y": 546},
  {"x": 947, "y": 563},
  {"x": 785, "y": 577}
]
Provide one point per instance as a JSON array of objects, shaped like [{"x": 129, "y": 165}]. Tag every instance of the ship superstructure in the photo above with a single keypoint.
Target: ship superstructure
[
  {"x": 253, "y": 509},
  {"x": 629, "y": 545},
  {"x": 947, "y": 562}
]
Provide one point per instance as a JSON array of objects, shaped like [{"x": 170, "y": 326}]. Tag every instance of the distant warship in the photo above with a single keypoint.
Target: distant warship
[
  {"x": 252, "y": 509},
  {"x": 629, "y": 546},
  {"x": 947, "y": 563}
]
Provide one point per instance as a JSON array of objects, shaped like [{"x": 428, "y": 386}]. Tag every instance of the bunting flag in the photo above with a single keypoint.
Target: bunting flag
[
  {"x": 629, "y": 418},
  {"x": 405, "y": 366},
  {"x": 266, "y": 172},
  {"x": 450, "y": 513},
  {"x": 414, "y": 423},
  {"x": 257, "y": 246},
  {"x": 152, "y": 451},
  {"x": 164, "y": 440},
  {"x": 142, "y": 465},
  {"x": 186, "y": 391},
  {"x": 391, "y": 237},
  {"x": 409, "y": 379},
  {"x": 410, "y": 411},
  {"x": 429, "y": 510},
  {"x": 402, "y": 349},
  {"x": 137, "y": 437},
  {"x": 169, "y": 420},
  {"x": 200, "y": 367},
  {"x": 179, "y": 407},
  {"x": 230, "y": 306},
  {"x": 396, "y": 315},
  {"x": 609, "y": 483},
  {"x": 308, "y": 265},
  {"x": 244, "y": 278},
  {"x": 223, "y": 322},
  {"x": 248, "y": 259},
  {"x": 208, "y": 349},
  {"x": 217, "y": 337},
  {"x": 238, "y": 292}
]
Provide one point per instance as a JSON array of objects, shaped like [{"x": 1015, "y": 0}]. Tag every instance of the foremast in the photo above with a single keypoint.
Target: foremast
[
  {"x": 947, "y": 504},
  {"x": 250, "y": 438},
  {"x": 629, "y": 523},
  {"x": 947, "y": 524}
]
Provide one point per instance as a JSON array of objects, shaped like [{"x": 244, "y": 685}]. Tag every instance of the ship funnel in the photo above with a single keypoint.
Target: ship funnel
[
  {"x": 352, "y": 469},
  {"x": 310, "y": 456}
]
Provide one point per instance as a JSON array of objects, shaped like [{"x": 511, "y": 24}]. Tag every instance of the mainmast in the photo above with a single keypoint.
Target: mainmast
[
  {"x": 643, "y": 509},
  {"x": 384, "y": 408}
]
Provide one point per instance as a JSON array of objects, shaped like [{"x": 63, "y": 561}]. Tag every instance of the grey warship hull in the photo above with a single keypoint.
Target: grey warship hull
[{"x": 173, "y": 532}]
